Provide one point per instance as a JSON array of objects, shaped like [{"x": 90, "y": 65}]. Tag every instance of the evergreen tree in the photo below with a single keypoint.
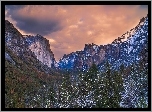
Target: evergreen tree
[
  {"x": 87, "y": 87},
  {"x": 91, "y": 77},
  {"x": 111, "y": 85},
  {"x": 136, "y": 87},
  {"x": 65, "y": 92}
]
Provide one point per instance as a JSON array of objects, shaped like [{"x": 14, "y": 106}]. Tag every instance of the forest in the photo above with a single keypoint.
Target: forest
[{"x": 26, "y": 87}]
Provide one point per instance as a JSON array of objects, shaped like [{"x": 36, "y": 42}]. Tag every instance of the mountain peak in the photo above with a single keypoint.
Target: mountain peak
[
  {"x": 6, "y": 21},
  {"x": 9, "y": 28},
  {"x": 37, "y": 44},
  {"x": 41, "y": 48},
  {"x": 128, "y": 34},
  {"x": 89, "y": 46},
  {"x": 124, "y": 49}
]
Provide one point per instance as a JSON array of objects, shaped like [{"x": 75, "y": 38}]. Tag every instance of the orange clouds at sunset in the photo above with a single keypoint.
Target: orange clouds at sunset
[{"x": 69, "y": 27}]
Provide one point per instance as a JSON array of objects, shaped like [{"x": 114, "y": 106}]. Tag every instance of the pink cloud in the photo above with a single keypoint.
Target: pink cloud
[{"x": 84, "y": 24}]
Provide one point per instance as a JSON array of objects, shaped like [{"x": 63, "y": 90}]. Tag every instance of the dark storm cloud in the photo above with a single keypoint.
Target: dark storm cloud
[
  {"x": 68, "y": 28},
  {"x": 28, "y": 24},
  {"x": 33, "y": 26},
  {"x": 144, "y": 6},
  {"x": 14, "y": 7}
]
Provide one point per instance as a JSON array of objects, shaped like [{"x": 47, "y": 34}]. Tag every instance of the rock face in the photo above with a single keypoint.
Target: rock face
[
  {"x": 15, "y": 41},
  {"x": 25, "y": 46},
  {"x": 123, "y": 50},
  {"x": 41, "y": 48}
]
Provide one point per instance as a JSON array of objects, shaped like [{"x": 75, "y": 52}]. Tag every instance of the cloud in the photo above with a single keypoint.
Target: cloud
[
  {"x": 37, "y": 27},
  {"x": 144, "y": 6},
  {"x": 32, "y": 22},
  {"x": 14, "y": 7},
  {"x": 70, "y": 27}
]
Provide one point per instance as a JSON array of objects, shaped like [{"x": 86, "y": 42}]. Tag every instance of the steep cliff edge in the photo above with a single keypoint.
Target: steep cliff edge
[
  {"x": 41, "y": 48},
  {"x": 123, "y": 50},
  {"x": 38, "y": 52}
]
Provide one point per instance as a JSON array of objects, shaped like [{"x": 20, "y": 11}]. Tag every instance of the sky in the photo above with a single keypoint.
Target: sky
[{"x": 69, "y": 27}]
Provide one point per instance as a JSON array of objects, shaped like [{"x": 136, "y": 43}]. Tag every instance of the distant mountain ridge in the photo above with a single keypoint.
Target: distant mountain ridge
[
  {"x": 123, "y": 50},
  {"x": 41, "y": 48},
  {"x": 33, "y": 79},
  {"x": 28, "y": 48}
]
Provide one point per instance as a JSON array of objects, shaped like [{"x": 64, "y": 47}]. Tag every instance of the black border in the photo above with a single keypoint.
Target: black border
[{"x": 3, "y": 3}]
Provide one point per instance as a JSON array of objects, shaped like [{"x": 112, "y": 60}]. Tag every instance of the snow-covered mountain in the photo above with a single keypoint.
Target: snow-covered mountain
[
  {"x": 28, "y": 48},
  {"x": 123, "y": 50},
  {"x": 15, "y": 41},
  {"x": 29, "y": 60},
  {"x": 41, "y": 48}
]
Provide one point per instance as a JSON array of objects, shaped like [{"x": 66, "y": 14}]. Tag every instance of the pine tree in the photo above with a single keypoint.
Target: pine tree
[
  {"x": 87, "y": 87},
  {"x": 65, "y": 92},
  {"x": 51, "y": 97},
  {"x": 111, "y": 85},
  {"x": 91, "y": 77}
]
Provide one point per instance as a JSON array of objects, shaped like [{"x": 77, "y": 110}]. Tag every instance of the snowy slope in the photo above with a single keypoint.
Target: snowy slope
[
  {"x": 41, "y": 48},
  {"x": 125, "y": 49}
]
